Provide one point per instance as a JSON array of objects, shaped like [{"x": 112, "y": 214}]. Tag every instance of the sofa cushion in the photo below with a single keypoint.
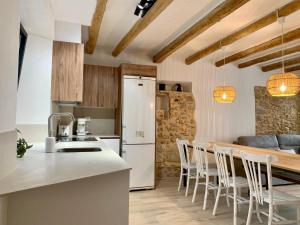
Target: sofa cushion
[
  {"x": 264, "y": 141},
  {"x": 289, "y": 141}
]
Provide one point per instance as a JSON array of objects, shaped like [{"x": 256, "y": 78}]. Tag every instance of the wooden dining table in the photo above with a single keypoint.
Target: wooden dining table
[{"x": 287, "y": 166}]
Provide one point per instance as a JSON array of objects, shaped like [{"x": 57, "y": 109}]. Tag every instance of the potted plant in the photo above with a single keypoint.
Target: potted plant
[{"x": 22, "y": 146}]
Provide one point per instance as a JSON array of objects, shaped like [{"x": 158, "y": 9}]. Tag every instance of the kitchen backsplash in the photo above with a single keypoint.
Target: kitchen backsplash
[
  {"x": 102, "y": 119},
  {"x": 101, "y": 126}
]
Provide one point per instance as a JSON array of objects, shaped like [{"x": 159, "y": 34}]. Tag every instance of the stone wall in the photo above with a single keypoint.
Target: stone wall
[
  {"x": 175, "y": 119},
  {"x": 276, "y": 115}
]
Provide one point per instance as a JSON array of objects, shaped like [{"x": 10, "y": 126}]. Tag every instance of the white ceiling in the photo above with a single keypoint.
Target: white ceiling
[
  {"x": 36, "y": 17},
  {"x": 73, "y": 11},
  {"x": 119, "y": 18},
  {"x": 39, "y": 16}
]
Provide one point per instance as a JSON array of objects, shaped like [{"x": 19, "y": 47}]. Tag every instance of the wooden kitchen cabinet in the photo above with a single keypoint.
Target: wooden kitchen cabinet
[
  {"x": 67, "y": 72},
  {"x": 90, "y": 86},
  {"x": 138, "y": 70},
  {"x": 101, "y": 86}
]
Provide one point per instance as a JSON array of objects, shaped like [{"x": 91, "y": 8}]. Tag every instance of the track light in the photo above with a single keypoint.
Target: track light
[{"x": 143, "y": 7}]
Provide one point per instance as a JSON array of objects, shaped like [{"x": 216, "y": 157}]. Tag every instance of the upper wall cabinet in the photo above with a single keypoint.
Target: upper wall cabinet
[
  {"x": 101, "y": 86},
  {"x": 138, "y": 70},
  {"x": 67, "y": 72}
]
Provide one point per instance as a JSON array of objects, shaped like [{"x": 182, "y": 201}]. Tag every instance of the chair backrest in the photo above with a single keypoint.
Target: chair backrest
[
  {"x": 183, "y": 152},
  {"x": 221, "y": 154},
  {"x": 252, "y": 165},
  {"x": 200, "y": 153}
]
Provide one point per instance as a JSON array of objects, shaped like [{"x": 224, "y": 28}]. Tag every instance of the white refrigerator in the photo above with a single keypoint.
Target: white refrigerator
[{"x": 138, "y": 129}]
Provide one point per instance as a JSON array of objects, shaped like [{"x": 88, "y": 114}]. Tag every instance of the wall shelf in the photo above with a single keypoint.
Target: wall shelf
[{"x": 186, "y": 86}]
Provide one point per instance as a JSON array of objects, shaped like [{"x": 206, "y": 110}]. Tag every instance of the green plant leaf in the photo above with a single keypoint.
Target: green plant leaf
[
  {"x": 18, "y": 131},
  {"x": 22, "y": 147}
]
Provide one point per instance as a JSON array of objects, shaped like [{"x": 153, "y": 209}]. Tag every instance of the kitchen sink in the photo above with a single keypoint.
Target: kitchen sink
[{"x": 69, "y": 150}]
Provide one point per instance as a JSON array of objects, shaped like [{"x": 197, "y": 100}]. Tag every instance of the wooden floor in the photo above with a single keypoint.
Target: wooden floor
[{"x": 166, "y": 206}]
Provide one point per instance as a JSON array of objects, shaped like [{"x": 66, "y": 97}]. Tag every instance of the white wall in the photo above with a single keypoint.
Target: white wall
[
  {"x": 9, "y": 47},
  {"x": 33, "y": 98},
  {"x": 68, "y": 32},
  {"x": 222, "y": 122},
  {"x": 34, "y": 92}
]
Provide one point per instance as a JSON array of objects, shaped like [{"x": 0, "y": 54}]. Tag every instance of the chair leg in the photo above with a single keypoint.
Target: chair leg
[
  {"x": 270, "y": 219},
  {"x": 227, "y": 197},
  {"x": 215, "y": 182},
  {"x": 217, "y": 200},
  {"x": 234, "y": 206},
  {"x": 258, "y": 212},
  {"x": 276, "y": 209},
  {"x": 188, "y": 182},
  {"x": 206, "y": 192},
  {"x": 240, "y": 195},
  {"x": 180, "y": 179},
  {"x": 196, "y": 187},
  {"x": 250, "y": 211}
]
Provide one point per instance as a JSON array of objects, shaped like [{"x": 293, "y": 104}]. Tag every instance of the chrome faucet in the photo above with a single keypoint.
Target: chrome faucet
[{"x": 66, "y": 114}]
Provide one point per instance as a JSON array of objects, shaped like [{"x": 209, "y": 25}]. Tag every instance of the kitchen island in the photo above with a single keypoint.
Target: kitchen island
[{"x": 67, "y": 188}]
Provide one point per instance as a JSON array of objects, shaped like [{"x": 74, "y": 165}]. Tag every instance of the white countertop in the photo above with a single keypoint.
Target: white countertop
[{"x": 37, "y": 168}]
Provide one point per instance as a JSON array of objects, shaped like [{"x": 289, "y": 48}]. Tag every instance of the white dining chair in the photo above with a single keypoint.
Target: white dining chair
[
  {"x": 203, "y": 171},
  {"x": 252, "y": 164},
  {"x": 228, "y": 181},
  {"x": 185, "y": 164}
]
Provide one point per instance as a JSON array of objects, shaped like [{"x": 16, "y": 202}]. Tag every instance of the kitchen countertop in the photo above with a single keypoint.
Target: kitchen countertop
[{"x": 37, "y": 168}]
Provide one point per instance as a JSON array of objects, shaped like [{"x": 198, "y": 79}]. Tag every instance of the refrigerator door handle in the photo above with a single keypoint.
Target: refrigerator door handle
[
  {"x": 124, "y": 135},
  {"x": 124, "y": 156}
]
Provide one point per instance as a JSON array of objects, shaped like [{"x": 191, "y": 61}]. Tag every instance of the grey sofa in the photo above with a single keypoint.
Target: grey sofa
[
  {"x": 277, "y": 142},
  {"x": 282, "y": 142}
]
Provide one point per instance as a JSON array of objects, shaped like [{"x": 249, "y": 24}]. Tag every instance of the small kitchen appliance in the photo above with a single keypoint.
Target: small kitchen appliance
[
  {"x": 64, "y": 130},
  {"x": 82, "y": 126}
]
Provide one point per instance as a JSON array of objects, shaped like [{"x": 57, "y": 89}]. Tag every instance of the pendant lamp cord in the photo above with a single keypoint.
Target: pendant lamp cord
[
  {"x": 223, "y": 53},
  {"x": 282, "y": 42}
]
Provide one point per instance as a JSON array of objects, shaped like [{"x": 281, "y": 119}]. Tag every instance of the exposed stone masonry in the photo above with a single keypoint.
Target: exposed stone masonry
[
  {"x": 276, "y": 115},
  {"x": 174, "y": 121}
]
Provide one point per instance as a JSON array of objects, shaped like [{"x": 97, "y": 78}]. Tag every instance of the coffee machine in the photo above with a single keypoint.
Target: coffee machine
[{"x": 82, "y": 126}]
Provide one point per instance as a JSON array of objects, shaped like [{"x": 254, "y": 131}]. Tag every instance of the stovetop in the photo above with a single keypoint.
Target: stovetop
[{"x": 71, "y": 139}]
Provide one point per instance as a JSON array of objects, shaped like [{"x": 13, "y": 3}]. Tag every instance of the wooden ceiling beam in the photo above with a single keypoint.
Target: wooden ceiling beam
[
  {"x": 217, "y": 14},
  {"x": 270, "y": 56},
  {"x": 278, "y": 65},
  {"x": 158, "y": 7},
  {"x": 95, "y": 26},
  {"x": 290, "y": 36},
  {"x": 286, "y": 10},
  {"x": 292, "y": 69}
]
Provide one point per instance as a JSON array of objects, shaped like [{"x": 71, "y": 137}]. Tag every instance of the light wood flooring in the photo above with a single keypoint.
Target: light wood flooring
[{"x": 166, "y": 206}]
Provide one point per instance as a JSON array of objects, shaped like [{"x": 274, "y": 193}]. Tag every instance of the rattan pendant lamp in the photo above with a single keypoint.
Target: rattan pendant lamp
[
  {"x": 224, "y": 94},
  {"x": 283, "y": 84}
]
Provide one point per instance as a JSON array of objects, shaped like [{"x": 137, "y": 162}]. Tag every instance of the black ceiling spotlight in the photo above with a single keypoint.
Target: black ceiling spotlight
[{"x": 143, "y": 7}]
